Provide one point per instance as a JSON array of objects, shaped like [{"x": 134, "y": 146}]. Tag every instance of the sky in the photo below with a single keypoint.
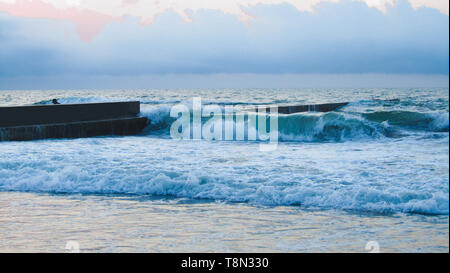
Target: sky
[{"x": 202, "y": 43}]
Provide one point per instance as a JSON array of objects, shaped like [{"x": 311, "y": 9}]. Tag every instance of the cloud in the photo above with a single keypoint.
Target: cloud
[
  {"x": 88, "y": 22},
  {"x": 337, "y": 38},
  {"x": 90, "y": 16}
]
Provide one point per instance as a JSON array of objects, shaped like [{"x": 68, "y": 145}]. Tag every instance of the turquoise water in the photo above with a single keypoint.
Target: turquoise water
[{"x": 374, "y": 170}]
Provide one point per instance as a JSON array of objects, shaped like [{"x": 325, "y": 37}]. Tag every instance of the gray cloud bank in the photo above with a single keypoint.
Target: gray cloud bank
[{"x": 345, "y": 38}]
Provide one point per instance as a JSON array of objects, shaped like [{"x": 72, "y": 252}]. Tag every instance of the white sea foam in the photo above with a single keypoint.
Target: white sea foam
[
  {"x": 334, "y": 126},
  {"x": 72, "y": 100},
  {"x": 359, "y": 175},
  {"x": 440, "y": 121},
  {"x": 369, "y": 156}
]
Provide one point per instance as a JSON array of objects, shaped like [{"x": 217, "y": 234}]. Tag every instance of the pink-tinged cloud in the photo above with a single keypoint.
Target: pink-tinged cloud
[
  {"x": 88, "y": 23},
  {"x": 91, "y": 16}
]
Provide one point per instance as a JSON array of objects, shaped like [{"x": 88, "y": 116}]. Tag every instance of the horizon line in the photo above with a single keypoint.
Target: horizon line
[{"x": 225, "y": 80}]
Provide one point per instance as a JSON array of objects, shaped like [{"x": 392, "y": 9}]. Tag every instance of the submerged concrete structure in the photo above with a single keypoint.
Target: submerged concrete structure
[
  {"x": 325, "y": 107},
  {"x": 70, "y": 120},
  {"x": 292, "y": 109}
]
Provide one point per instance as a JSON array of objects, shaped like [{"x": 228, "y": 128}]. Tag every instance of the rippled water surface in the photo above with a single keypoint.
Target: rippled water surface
[{"x": 374, "y": 170}]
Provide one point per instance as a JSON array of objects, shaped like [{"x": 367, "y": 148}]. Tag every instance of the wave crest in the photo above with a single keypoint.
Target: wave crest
[{"x": 334, "y": 126}]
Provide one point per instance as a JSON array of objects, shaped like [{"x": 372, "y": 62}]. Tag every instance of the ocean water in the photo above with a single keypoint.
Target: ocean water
[{"x": 374, "y": 170}]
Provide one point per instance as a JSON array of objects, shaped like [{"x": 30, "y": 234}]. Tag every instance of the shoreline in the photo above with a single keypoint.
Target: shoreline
[{"x": 134, "y": 224}]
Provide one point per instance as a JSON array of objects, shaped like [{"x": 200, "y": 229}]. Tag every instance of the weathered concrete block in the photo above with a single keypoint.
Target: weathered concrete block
[
  {"x": 122, "y": 126},
  {"x": 64, "y": 113},
  {"x": 70, "y": 120},
  {"x": 292, "y": 109}
]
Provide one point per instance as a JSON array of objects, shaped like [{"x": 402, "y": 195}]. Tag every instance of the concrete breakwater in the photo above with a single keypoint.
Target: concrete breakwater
[
  {"x": 325, "y": 107},
  {"x": 70, "y": 120},
  {"x": 292, "y": 109}
]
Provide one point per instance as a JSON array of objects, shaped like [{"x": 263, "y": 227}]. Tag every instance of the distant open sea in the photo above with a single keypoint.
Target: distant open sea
[{"x": 373, "y": 170}]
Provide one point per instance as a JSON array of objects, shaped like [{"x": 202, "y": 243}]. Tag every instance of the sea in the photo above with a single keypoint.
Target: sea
[{"x": 370, "y": 176}]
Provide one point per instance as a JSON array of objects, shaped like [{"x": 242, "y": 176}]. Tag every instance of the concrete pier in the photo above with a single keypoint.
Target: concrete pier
[
  {"x": 70, "y": 120},
  {"x": 325, "y": 107},
  {"x": 292, "y": 109}
]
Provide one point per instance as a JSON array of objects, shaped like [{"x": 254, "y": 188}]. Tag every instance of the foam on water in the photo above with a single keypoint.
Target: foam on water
[
  {"x": 380, "y": 177},
  {"x": 72, "y": 100},
  {"x": 369, "y": 156},
  {"x": 333, "y": 126}
]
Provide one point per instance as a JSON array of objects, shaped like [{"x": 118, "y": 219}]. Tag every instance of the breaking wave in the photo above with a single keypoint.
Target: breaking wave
[
  {"x": 334, "y": 126},
  {"x": 375, "y": 176},
  {"x": 337, "y": 190}
]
